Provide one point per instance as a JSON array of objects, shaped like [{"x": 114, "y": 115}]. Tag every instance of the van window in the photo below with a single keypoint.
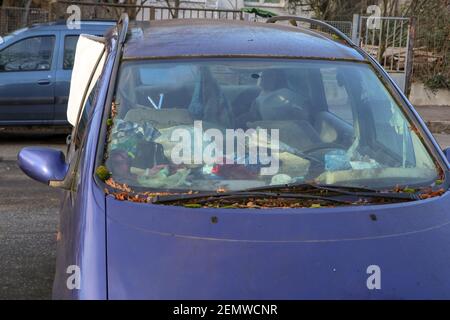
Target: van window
[
  {"x": 70, "y": 46},
  {"x": 30, "y": 54}
]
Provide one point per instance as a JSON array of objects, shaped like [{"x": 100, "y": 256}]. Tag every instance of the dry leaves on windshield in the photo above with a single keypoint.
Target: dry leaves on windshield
[
  {"x": 113, "y": 109},
  {"x": 432, "y": 194},
  {"x": 119, "y": 186}
]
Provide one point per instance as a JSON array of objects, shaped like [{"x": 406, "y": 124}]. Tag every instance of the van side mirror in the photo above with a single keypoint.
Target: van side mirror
[{"x": 43, "y": 164}]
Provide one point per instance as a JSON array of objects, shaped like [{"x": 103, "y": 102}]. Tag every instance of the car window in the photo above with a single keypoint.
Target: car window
[
  {"x": 336, "y": 95},
  {"x": 70, "y": 45},
  {"x": 30, "y": 54},
  {"x": 194, "y": 126},
  {"x": 84, "y": 117}
]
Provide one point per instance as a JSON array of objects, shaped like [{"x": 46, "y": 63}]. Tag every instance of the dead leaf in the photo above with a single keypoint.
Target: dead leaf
[{"x": 120, "y": 186}]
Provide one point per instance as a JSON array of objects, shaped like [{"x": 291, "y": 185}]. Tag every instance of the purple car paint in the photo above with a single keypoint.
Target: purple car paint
[
  {"x": 129, "y": 250},
  {"x": 320, "y": 254}
]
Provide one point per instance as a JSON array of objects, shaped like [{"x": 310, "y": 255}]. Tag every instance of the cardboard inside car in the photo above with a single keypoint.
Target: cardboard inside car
[{"x": 89, "y": 61}]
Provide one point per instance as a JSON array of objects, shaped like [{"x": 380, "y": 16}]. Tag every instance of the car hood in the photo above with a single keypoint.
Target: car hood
[{"x": 390, "y": 251}]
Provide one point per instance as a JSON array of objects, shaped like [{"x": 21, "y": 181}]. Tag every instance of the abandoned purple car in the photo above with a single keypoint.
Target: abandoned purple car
[{"x": 243, "y": 160}]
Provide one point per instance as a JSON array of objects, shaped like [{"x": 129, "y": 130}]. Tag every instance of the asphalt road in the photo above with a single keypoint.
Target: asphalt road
[
  {"x": 28, "y": 223},
  {"x": 29, "y": 219}
]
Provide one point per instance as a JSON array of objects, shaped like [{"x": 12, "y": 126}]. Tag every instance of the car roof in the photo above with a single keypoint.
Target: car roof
[
  {"x": 197, "y": 37},
  {"x": 62, "y": 25}
]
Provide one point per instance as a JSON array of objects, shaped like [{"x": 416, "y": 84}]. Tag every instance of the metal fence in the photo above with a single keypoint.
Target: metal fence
[
  {"x": 387, "y": 41},
  {"x": 345, "y": 26},
  {"x": 146, "y": 12},
  {"x": 12, "y": 18},
  {"x": 164, "y": 13}
]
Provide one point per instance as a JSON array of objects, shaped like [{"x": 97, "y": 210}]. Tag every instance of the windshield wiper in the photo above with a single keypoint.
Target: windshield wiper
[
  {"x": 214, "y": 196},
  {"x": 278, "y": 193},
  {"x": 342, "y": 190}
]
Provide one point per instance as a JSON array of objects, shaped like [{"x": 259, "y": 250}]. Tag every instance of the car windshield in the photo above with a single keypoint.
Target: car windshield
[{"x": 233, "y": 124}]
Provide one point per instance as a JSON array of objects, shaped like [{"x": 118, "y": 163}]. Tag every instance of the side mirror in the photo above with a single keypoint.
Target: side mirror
[
  {"x": 43, "y": 164},
  {"x": 447, "y": 153}
]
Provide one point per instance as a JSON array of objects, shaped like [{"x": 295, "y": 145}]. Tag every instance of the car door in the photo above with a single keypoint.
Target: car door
[
  {"x": 27, "y": 79},
  {"x": 73, "y": 205}
]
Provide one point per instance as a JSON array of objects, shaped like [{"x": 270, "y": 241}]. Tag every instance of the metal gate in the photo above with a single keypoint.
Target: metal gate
[
  {"x": 388, "y": 40},
  {"x": 344, "y": 26}
]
